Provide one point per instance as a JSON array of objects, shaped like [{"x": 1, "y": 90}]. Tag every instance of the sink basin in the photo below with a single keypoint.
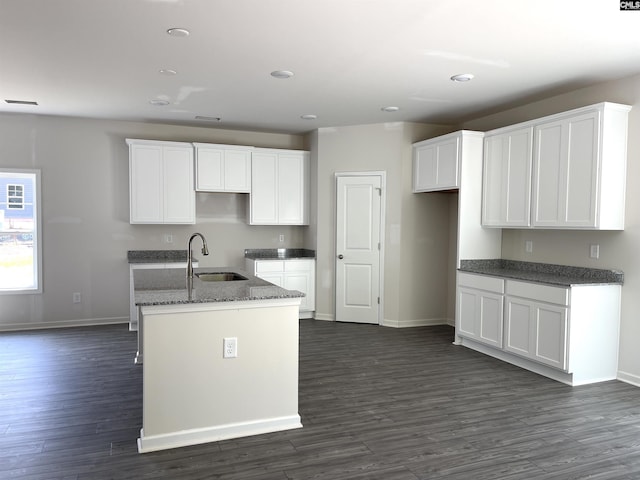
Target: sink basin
[{"x": 220, "y": 276}]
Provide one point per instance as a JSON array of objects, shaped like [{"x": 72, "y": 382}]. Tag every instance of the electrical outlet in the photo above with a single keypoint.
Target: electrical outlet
[
  {"x": 168, "y": 238},
  {"x": 594, "y": 251},
  {"x": 528, "y": 246},
  {"x": 230, "y": 347},
  {"x": 77, "y": 297},
  {"x": 281, "y": 238}
]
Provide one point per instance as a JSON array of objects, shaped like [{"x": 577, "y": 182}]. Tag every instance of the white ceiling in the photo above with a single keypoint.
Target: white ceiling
[{"x": 101, "y": 58}]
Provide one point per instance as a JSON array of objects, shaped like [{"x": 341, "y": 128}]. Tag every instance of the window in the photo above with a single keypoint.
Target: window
[
  {"x": 15, "y": 197},
  {"x": 20, "y": 247}
]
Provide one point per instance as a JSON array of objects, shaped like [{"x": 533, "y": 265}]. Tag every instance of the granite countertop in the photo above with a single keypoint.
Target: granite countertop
[
  {"x": 169, "y": 286},
  {"x": 278, "y": 253},
  {"x": 157, "y": 256},
  {"x": 547, "y": 273}
]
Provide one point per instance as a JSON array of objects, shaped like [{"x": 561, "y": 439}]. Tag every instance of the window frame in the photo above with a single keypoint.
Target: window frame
[{"x": 37, "y": 228}]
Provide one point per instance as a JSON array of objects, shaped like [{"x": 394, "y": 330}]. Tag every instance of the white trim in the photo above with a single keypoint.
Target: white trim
[
  {"x": 326, "y": 317},
  {"x": 197, "y": 436},
  {"x": 82, "y": 322},
  {"x": 383, "y": 215},
  {"x": 629, "y": 378},
  {"x": 418, "y": 322}
]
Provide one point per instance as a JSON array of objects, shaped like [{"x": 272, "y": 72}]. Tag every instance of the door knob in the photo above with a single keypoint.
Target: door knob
[{"x": 340, "y": 256}]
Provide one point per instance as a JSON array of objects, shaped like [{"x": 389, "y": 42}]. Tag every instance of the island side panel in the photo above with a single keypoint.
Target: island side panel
[{"x": 188, "y": 385}]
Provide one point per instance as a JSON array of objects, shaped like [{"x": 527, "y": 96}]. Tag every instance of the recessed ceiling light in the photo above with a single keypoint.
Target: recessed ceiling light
[
  {"x": 158, "y": 102},
  {"x": 390, "y": 109},
  {"x": 308, "y": 116},
  {"x": 462, "y": 77},
  {"x": 208, "y": 119},
  {"x": 21, "y": 102},
  {"x": 178, "y": 32},
  {"x": 282, "y": 74},
  {"x": 167, "y": 71}
]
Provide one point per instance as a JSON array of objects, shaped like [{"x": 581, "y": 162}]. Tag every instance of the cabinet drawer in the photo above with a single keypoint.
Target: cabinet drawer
[
  {"x": 481, "y": 282},
  {"x": 537, "y": 292},
  {"x": 270, "y": 266},
  {"x": 298, "y": 265}
]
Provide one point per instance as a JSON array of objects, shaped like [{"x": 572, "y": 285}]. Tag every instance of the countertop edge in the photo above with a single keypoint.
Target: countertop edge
[{"x": 549, "y": 274}]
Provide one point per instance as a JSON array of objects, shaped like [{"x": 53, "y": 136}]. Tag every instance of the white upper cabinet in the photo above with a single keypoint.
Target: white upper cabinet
[
  {"x": 161, "y": 182},
  {"x": 436, "y": 163},
  {"x": 506, "y": 192},
  {"x": 573, "y": 177},
  {"x": 279, "y": 187},
  {"x": 223, "y": 168},
  {"x": 579, "y": 171}
]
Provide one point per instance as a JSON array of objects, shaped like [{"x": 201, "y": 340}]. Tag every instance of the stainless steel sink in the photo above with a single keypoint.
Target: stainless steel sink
[{"x": 220, "y": 276}]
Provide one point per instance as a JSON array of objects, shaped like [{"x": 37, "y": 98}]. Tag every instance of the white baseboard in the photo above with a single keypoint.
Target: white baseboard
[
  {"x": 629, "y": 378},
  {"x": 82, "y": 322},
  {"x": 197, "y": 436},
  {"x": 328, "y": 317},
  {"x": 424, "y": 322}
]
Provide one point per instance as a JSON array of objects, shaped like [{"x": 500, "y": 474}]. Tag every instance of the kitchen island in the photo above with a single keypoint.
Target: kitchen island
[{"x": 220, "y": 357}]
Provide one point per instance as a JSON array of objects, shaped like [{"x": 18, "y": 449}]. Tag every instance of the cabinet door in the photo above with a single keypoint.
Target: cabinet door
[
  {"x": 179, "y": 194},
  {"x": 292, "y": 189},
  {"x": 263, "y": 201},
  {"x": 519, "y": 326},
  {"x": 209, "y": 169},
  {"x": 300, "y": 275},
  {"x": 506, "y": 188},
  {"x": 566, "y": 169},
  {"x": 237, "y": 171},
  {"x": 550, "y": 335},
  {"x": 299, "y": 281},
  {"x": 467, "y": 312},
  {"x": 537, "y": 331},
  {"x": 146, "y": 184},
  {"x": 481, "y": 316},
  {"x": 435, "y": 166}
]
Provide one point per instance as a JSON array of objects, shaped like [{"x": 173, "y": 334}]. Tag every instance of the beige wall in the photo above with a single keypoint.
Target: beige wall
[
  {"x": 617, "y": 249},
  {"x": 86, "y": 230},
  {"x": 417, "y": 226}
]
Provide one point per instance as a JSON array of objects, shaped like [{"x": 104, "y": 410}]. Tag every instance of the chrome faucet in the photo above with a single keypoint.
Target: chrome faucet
[{"x": 205, "y": 251}]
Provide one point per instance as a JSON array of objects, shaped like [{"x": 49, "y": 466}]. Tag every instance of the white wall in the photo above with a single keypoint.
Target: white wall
[
  {"x": 86, "y": 230},
  {"x": 617, "y": 249},
  {"x": 417, "y": 226}
]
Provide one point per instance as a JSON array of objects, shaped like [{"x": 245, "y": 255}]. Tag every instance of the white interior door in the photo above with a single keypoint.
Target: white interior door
[{"x": 358, "y": 225}]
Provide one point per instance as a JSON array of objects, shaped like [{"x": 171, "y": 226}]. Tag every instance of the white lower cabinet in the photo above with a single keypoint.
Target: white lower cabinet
[
  {"x": 570, "y": 334},
  {"x": 535, "y": 328},
  {"x": 480, "y": 308},
  {"x": 293, "y": 274}
]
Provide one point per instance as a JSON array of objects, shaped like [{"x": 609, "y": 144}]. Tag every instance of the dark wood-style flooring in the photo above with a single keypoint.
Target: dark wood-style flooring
[{"x": 376, "y": 403}]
